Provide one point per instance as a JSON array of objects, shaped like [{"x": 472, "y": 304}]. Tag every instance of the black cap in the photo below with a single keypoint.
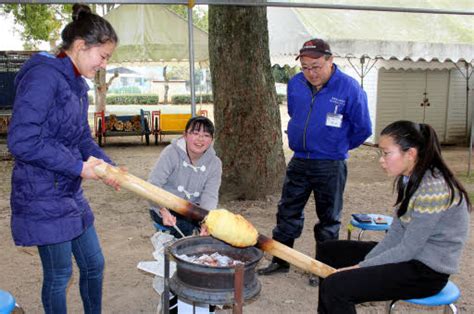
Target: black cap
[{"x": 315, "y": 48}]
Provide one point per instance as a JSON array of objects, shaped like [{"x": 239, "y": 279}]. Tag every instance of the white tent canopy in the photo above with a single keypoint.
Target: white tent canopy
[
  {"x": 384, "y": 35},
  {"x": 152, "y": 33}
]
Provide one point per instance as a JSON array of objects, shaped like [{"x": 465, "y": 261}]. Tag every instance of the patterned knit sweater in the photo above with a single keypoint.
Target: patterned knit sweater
[{"x": 431, "y": 231}]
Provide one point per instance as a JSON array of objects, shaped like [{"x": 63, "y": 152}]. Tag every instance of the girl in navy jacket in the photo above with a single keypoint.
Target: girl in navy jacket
[{"x": 50, "y": 139}]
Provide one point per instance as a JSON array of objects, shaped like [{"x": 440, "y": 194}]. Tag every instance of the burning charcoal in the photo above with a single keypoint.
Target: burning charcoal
[
  {"x": 207, "y": 260},
  {"x": 213, "y": 260},
  {"x": 222, "y": 260}
]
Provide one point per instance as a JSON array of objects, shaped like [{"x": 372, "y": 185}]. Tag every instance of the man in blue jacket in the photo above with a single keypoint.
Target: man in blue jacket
[{"x": 328, "y": 117}]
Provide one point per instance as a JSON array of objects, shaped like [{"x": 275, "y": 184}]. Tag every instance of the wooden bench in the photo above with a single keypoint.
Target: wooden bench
[{"x": 170, "y": 123}]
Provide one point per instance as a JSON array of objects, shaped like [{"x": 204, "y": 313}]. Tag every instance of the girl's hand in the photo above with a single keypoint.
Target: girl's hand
[
  {"x": 347, "y": 268},
  {"x": 168, "y": 218},
  {"x": 88, "y": 168},
  {"x": 89, "y": 173},
  {"x": 204, "y": 231},
  {"x": 113, "y": 182}
]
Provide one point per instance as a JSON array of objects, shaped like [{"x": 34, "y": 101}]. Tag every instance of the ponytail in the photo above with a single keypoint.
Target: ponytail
[{"x": 423, "y": 138}]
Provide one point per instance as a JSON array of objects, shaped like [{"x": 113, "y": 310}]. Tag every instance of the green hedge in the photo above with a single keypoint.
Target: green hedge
[
  {"x": 125, "y": 90},
  {"x": 207, "y": 98},
  {"x": 132, "y": 99},
  {"x": 186, "y": 99}
]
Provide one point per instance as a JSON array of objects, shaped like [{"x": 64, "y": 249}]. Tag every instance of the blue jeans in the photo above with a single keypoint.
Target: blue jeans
[
  {"x": 326, "y": 179},
  {"x": 56, "y": 260}
]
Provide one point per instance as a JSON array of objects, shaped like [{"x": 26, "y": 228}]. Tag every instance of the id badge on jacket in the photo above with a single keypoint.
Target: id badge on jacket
[{"x": 334, "y": 119}]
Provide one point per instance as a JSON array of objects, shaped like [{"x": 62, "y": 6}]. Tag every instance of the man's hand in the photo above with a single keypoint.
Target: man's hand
[{"x": 168, "y": 218}]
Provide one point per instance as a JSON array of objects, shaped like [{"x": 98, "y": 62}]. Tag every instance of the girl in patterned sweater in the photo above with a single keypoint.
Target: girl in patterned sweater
[{"x": 424, "y": 243}]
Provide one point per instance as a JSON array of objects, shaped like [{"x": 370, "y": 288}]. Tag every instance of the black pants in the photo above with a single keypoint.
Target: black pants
[
  {"x": 340, "y": 292},
  {"x": 185, "y": 225},
  {"x": 326, "y": 179}
]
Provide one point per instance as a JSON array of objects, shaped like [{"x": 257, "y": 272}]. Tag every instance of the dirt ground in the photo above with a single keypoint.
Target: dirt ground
[{"x": 124, "y": 228}]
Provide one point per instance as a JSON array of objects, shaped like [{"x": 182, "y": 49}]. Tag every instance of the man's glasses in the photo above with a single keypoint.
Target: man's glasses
[{"x": 315, "y": 69}]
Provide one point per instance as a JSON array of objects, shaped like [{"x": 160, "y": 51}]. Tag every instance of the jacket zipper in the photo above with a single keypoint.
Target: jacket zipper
[{"x": 307, "y": 122}]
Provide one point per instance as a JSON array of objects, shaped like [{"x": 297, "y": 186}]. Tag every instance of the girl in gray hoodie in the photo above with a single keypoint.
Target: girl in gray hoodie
[{"x": 188, "y": 168}]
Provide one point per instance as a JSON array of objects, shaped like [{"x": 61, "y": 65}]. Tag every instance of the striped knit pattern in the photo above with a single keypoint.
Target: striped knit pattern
[{"x": 433, "y": 196}]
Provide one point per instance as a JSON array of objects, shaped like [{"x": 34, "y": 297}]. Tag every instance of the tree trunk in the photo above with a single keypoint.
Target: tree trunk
[
  {"x": 167, "y": 86},
  {"x": 246, "y": 114},
  {"x": 100, "y": 90}
]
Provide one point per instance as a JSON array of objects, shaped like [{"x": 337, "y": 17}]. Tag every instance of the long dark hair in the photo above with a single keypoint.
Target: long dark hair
[
  {"x": 90, "y": 27},
  {"x": 423, "y": 138}
]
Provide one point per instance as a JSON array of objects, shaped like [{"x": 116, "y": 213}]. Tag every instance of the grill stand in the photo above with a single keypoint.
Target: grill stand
[{"x": 238, "y": 287}]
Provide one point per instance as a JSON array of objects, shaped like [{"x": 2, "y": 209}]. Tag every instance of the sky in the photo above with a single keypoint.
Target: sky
[{"x": 9, "y": 38}]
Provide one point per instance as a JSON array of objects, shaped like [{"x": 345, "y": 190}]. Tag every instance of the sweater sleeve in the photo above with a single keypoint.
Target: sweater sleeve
[
  {"x": 422, "y": 219},
  {"x": 361, "y": 127},
  {"x": 391, "y": 239},
  {"x": 210, "y": 193},
  {"x": 34, "y": 98}
]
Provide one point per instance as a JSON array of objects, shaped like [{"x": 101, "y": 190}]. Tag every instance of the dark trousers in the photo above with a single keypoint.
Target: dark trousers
[
  {"x": 340, "y": 292},
  {"x": 326, "y": 179},
  {"x": 184, "y": 224}
]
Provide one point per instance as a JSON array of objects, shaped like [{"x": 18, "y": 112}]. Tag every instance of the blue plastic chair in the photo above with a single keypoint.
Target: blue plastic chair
[
  {"x": 7, "y": 302},
  {"x": 446, "y": 297},
  {"x": 363, "y": 226},
  {"x": 160, "y": 227}
]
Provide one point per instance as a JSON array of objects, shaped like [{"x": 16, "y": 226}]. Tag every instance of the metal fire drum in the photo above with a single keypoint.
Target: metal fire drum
[{"x": 208, "y": 284}]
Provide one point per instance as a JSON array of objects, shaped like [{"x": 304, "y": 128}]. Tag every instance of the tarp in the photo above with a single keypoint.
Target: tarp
[
  {"x": 384, "y": 35},
  {"x": 152, "y": 33}
]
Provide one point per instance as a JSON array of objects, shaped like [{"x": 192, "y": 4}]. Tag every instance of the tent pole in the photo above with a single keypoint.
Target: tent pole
[
  {"x": 191, "y": 58},
  {"x": 468, "y": 75}
]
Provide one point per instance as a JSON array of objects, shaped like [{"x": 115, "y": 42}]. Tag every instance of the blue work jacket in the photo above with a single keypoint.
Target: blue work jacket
[{"x": 309, "y": 136}]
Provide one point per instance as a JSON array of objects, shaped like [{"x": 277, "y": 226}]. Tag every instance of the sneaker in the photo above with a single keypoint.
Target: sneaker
[{"x": 273, "y": 268}]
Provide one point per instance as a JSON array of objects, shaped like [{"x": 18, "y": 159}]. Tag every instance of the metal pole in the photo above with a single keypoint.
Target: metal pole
[
  {"x": 191, "y": 57},
  {"x": 472, "y": 119},
  {"x": 267, "y": 3},
  {"x": 238, "y": 289},
  {"x": 166, "y": 292}
]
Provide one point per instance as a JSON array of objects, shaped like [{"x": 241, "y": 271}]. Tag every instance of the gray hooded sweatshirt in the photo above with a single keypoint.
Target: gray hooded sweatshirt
[{"x": 198, "y": 183}]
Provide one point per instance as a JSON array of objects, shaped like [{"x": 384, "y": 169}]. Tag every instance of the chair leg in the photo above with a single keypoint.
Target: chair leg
[
  {"x": 360, "y": 234},
  {"x": 391, "y": 306},
  {"x": 452, "y": 307}
]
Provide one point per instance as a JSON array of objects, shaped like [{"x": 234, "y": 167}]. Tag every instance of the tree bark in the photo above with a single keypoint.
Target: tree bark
[
  {"x": 246, "y": 114},
  {"x": 167, "y": 86},
  {"x": 101, "y": 87}
]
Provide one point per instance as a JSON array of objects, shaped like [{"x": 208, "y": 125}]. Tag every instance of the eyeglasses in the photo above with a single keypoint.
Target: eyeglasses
[
  {"x": 383, "y": 154},
  {"x": 311, "y": 69}
]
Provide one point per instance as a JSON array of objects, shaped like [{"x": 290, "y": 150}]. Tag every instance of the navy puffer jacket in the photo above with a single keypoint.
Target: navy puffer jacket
[{"x": 49, "y": 136}]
